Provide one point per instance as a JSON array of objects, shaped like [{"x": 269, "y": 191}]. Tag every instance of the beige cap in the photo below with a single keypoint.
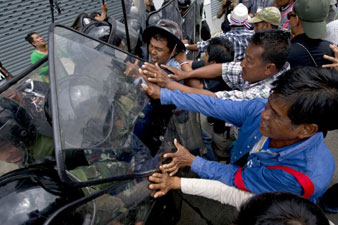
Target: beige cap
[{"x": 269, "y": 14}]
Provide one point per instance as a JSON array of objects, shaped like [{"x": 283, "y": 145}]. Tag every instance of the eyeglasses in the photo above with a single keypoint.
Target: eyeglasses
[{"x": 291, "y": 14}]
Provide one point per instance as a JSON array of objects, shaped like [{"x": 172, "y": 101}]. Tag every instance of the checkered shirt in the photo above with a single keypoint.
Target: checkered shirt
[
  {"x": 241, "y": 89},
  {"x": 239, "y": 36}
]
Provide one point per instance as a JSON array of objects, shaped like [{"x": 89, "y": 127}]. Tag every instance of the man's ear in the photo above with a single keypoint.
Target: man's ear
[
  {"x": 270, "y": 69},
  {"x": 307, "y": 130}
]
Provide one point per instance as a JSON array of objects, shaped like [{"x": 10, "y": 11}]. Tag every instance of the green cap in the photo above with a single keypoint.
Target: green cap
[
  {"x": 312, "y": 15},
  {"x": 269, "y": 14}
]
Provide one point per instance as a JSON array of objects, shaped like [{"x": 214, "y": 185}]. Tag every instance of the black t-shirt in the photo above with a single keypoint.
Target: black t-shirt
[{"x": 317, "y": 48}]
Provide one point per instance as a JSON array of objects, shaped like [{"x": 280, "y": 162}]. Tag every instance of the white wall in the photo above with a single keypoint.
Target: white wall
[{"x": 213, "y": 22}]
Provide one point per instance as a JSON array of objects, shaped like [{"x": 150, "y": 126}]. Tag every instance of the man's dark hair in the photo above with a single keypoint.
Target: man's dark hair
[
  {"x": 159, "y": 36},
  {"x": 29, "y": 38},
  {"x": 280, "y": 208},
  {"x": 220, "y": 50},
  {"x": 312, "y": 94},
  {"x": 275, "y": 44}
]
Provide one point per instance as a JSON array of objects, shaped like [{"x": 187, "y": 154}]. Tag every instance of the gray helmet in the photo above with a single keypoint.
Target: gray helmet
[{"x": 169, "y": 28}]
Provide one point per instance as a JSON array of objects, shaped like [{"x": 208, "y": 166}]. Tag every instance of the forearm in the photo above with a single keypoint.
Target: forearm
[
  {"x": 194, "y": 83},
  {"x": 214, "y": 170},
  {"x": 214, "y": 190},
  {"x": 207, "y": 72},
  {"x": 192, "y": 47},
  {"x": 172, "y": 85}
]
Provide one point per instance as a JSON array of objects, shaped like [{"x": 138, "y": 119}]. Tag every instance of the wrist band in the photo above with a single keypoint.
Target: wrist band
[
  {"x": 183, "y": 63},
  {"x": 186, "y": 45}
]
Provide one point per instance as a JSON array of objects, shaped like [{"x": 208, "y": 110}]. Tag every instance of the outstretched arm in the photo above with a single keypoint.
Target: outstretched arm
[{"x": 207, "y": 72}]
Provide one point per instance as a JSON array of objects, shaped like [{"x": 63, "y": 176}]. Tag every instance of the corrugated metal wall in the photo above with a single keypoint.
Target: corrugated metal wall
[
  {"x": 20, "y": 17},
  {"x": 214, "y": 7}
]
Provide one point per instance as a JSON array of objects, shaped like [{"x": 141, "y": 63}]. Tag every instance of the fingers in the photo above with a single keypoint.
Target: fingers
[
  {"x": 155, "y": 186},
  {"x": 172, "y": 69},
  {"x": 177, "y": 145},
  {"x": 156, "y": 180},
  {"x": 174, "y": 172},
  {"x": 332, "y": 59},
  {"x": 158, "y": 194}
]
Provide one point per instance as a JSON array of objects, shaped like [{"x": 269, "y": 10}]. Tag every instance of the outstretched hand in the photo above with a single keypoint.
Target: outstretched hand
[
  {"x": 163, "y": 183},
  {"x": 181, "y": 158},
  {"x": 177, "y": 73},
  {"x": 155, "y": 74},
  {"x": 153, "y": 90},
  {"x": 334, "y": 60},
  {"x": 132, "y": 69}
]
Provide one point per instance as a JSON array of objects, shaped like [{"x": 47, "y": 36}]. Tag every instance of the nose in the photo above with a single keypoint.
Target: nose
[
  {"x": 265, "y": 114},
  {"x": 242, "y": 63}
]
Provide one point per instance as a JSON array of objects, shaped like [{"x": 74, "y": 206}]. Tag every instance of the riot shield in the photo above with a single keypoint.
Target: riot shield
[
  {"x": 189, "y": 26},
  {"x": 169, "y": 11},
  {"x": 25, "y": 134},
  {"x": 96, "y": 101}
]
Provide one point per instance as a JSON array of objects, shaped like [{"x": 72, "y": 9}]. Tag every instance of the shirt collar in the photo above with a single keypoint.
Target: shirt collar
[
  {"x": 298, "y": 147},
  {"x": 270, "y": 79}
]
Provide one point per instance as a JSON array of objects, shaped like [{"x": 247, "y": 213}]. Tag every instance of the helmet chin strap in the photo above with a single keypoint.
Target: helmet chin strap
[{"x": 172, "y": 53}]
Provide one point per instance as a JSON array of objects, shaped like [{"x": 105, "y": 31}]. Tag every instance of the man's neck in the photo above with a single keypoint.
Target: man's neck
[
  {"x": 42, "y": 49},
  {"x": 275, "y": 143}
]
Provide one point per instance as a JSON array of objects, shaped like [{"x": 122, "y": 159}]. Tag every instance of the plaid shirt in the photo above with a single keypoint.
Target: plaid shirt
[
  {"x": 239, "y": 36},
  {"x": 243, "y": 90}
]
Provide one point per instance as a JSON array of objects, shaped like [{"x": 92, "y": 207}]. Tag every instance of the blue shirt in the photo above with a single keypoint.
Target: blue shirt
[{"x": 309, "y": 156}]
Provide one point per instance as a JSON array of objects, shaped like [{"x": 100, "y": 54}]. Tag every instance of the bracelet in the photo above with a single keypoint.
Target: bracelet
[{"x": 183, "y": 63}]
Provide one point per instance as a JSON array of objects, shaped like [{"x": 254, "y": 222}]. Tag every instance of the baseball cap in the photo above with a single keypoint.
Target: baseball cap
[
  {"x": 312, "y": 15},
  {"x": 269, "y": 14}
]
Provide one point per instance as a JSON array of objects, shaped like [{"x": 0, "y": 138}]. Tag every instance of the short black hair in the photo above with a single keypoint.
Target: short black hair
[
  {"x": 161, "y": 36},
  {"x": 312, "y": 94},
  {"x": 276, "y": 45},
  {"x": 29, "y": 37},
  {"x": 280, "y": 208},
  {"x": 220, "y": 50}
]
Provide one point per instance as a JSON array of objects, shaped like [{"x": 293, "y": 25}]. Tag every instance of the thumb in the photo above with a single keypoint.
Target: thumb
[{"x": 177, "y": 145}]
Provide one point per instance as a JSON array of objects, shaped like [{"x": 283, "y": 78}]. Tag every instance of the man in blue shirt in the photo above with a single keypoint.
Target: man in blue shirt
[{"x": 280, "y": 145}]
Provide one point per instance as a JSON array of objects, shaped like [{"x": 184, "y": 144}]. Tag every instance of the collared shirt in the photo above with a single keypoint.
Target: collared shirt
[
  {"x": 284, "y": 23},
  {"x": 239, "y": 36},
  {"x": 241, "y": 89},
  {"x": 309, "y": 156},
  {"x": 298, "y": 56}
]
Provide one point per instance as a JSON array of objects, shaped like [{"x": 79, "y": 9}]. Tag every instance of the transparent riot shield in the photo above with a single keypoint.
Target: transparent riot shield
[
  {"x": 25, "y": 133},
  {"x": 168, "y": 11},
  {"x": 189, "y": 27}
]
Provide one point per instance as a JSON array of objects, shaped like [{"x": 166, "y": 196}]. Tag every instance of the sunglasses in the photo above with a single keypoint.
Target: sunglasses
[{"x": 290, "y": 14}]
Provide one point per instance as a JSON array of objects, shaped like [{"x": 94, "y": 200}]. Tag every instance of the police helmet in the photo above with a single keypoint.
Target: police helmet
[
  {"x": 35, "y": 194},
  {"x": 16, "y": 129}
]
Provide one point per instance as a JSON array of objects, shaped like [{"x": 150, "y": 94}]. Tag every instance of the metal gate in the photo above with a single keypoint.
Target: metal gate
[{"x": 20, "y": 17}]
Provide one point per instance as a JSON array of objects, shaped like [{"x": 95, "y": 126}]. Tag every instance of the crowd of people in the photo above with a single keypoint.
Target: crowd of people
[{"x": 271, "y": 76}]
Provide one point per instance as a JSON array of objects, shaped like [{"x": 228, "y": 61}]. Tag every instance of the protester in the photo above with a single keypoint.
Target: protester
[
  {"x": 285, "y": 7},
  {"x": 308, "y": 25},
  {"x": 239, "y": 34},
  {"x": 266, "y": 18},
  {"x": 40, "y": 51},
  {"x": 100, "y": 16},
  {"x": 280, "y": 144}
]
